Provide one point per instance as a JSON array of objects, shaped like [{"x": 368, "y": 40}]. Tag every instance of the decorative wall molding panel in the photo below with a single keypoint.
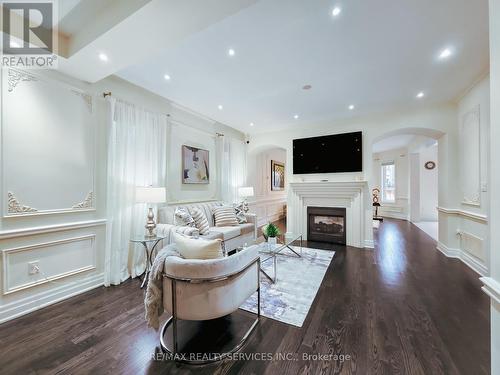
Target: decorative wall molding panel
[
  {"x": 470, "y": 261},
  {"x": 6, "y": 234},
  {"x": 268, "y": 210},
  {"x": 472, "y": 244},
  {"x": 14, "y": 207},
  {"x": 466, "y": 214},
  {"x": 16, "y": 76},
  {"x": 56, "y": 294},
  {"x": 470, "y": 153},
  {"x": 60, "y": 258},
  {"x": 87, "y": 202},
  {"x": 47, "y": 146},
  {"x": 87, "y": 98}
]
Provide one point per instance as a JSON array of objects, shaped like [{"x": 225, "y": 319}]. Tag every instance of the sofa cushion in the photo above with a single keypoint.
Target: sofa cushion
[
  {"x": 206, "y": 208},
  {"x": 188, "y": 231},
  {"x": 213, "y": 235},
  {"x": 247, "y": 228},
  {"x": 225, "y": 216},
  {"x": 200, "y": 220},
  {"x": 183, "y": 218},
  {"x": 227, "y": 232},
  {"x": 240, "y": 213},
  {"x": 197, "y": 248}
]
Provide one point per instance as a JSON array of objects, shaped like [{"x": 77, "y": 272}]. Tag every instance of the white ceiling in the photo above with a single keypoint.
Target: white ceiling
[
  {"x": 376, "y": 55},
  {"x": 131, "y": 31},
  {"x": 393, "y": 143}
]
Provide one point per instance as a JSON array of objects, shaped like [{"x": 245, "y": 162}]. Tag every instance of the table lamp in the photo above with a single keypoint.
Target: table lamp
[
  {"x": 245, "y": 192},
  {"x": 150, "y": 195}
]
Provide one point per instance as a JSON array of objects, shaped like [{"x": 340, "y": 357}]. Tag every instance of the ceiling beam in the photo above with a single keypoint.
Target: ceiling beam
[{"x": 138, "y": 37}]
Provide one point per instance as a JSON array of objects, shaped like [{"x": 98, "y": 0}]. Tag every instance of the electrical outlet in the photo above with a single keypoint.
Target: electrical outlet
[{"x": 34, "y": 267}]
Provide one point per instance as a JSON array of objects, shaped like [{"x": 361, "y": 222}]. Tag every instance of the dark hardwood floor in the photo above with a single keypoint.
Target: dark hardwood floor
[{"x": 401, "y": 309}]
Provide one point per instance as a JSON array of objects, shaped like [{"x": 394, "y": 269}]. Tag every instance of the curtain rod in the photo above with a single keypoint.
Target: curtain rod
[{"x": 108, "y": 93}]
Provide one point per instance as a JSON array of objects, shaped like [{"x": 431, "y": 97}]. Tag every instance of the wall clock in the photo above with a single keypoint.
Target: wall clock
[{"x": 430, "y": 165}]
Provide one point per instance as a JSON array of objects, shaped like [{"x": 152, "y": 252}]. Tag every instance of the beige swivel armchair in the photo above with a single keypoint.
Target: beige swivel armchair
[{"x": 195, "y": 289}]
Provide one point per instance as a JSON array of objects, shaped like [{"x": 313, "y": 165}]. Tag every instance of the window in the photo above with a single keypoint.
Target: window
[{"x": 389, "y": 182}]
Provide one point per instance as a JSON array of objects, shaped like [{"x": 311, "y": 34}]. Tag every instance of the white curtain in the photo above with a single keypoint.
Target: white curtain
[
  {"x": 232, "y": 154},
  {"x": 137, "y": 152}
]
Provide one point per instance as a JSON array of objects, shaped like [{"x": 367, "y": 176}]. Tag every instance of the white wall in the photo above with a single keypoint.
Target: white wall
[
  {"x": 187, "y": 127},
  {"x": 61, "y": 136},
  {"x": 428, "y": 184},
  {"x": 494, "y": 211},
  {"x": 400, "y": 208},
  {"x": 267, "y": 204},
  {"x": 69, "y": 242},
  {"x": 464, "y": 233},
  {"x": 438, "y": 122}
]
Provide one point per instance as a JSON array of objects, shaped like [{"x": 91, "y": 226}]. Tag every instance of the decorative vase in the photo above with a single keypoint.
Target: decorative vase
[{"x": 272, "y": 240}]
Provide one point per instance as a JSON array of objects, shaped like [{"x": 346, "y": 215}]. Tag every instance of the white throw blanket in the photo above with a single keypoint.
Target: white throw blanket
[{"x": 154, "y": 293}]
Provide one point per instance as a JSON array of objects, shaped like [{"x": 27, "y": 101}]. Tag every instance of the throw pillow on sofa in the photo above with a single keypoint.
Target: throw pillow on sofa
[
  {"x": 188, "y": 231},
  {"x": 183, "y": 218},
  {"x": 225, "y": 216},
  {"x": 240, "y": 213},
  {"x": 192, "y": 248},
  {"x": 200, "y": 220}
]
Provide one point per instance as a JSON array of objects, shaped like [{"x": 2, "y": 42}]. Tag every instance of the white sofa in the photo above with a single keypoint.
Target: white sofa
[
  {"x": 196, "y": 289},
  {"x": 233, "y": 237}
]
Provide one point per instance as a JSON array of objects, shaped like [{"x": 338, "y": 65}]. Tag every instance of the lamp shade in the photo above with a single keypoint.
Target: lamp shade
[
  {"x": 150, "y": 194},
  {"x": 246, "y": 191}
]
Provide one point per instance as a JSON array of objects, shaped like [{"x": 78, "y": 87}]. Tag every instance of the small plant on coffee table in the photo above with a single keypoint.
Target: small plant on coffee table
[{"x": 271, "y": 231}]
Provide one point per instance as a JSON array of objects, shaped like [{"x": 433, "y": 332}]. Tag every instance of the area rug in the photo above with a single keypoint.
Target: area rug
[{"x": 290, "y": 298}]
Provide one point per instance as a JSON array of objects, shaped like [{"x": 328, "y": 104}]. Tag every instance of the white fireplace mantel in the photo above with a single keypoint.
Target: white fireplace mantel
[{"x": 351, "y": 195}]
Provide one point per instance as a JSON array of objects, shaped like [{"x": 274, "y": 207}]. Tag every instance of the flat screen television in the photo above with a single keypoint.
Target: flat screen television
[{"x": 328, "y": 154}]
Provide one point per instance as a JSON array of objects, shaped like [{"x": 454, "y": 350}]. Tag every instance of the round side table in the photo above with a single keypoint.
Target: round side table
[{"x": 149, "y": 244}]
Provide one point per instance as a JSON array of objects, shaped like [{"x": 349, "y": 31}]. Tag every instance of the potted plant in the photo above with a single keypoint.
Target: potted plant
[{"x": 271, "y": 231}]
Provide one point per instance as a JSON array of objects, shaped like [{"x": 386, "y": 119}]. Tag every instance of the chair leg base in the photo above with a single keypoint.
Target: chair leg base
[{"x": 183, "y": 358}]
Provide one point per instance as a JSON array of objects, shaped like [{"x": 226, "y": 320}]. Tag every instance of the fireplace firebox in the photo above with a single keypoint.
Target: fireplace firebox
[{"x": 326, "y": 224}]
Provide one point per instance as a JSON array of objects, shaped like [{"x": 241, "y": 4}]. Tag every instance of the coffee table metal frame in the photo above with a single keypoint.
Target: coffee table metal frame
[{"x": 287, "y": 241}]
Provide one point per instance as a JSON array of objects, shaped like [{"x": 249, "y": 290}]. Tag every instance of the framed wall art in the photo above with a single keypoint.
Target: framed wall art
[{"x": 195, "y": 165}]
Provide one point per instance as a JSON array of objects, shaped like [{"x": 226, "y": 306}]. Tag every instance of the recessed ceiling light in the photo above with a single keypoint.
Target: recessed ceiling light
[
  {"x": 295, "y": 117},
  {"x": 420, "y": 95},
  {"x": 220, "y": 107},
  {"x": 167, "y": 77},
  {"x": 336, "y": 11},
  {"x": 251, "y": 124},
  {"x": 445, "y": 54},
  {"x": 351, "y": 107},
  {"x": 14, "y": 44},
  {"x": 306, "y": 87},
  {"x": 231, "y": 52},
  {"x": 103, "y": 57}
]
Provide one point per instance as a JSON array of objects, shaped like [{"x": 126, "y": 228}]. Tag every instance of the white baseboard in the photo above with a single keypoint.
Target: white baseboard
[
  {"x": 370, "y": 244},
  {"x": 466, "y": 258},
  {"x": 394, "y": 215},
  {"x": 474, "y": 263},
  {"x": 35, "y": 302}
]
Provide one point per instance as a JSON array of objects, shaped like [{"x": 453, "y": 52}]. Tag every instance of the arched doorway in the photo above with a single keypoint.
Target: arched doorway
[
  {"x": 406, "y": 172},
  {"x": 266, "y": 173}
]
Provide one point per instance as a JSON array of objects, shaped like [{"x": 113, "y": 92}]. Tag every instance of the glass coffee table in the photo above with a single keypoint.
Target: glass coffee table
[{"x": 283, "y": 247}]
